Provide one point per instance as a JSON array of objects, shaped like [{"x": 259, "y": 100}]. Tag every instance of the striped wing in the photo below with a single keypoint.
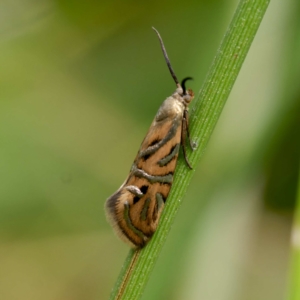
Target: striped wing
[{"x": 135, "y": 208}]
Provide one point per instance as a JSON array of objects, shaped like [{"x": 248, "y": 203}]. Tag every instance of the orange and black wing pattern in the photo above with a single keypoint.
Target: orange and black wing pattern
[{"x": 136, "y": 207}]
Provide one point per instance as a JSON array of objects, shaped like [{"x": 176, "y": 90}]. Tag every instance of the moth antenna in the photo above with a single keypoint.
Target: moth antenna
[
  {"x": 167, "y": 58},
  {"x": 183, "y": 83}
]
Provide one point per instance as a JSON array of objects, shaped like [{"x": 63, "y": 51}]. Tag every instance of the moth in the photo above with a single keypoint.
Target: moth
[{"x": 135, "y": 208}]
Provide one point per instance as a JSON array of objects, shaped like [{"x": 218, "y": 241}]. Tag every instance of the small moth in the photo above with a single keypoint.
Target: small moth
[{"x": 135, "y": 208}]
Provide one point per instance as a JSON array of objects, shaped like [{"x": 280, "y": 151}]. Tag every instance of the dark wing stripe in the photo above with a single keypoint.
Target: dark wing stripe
[
  {"x": 152, "y": 149},
  {"x": 160, "y": 200},
  {"x": 164, "y": 161},
  {"x": 134, "y": 190},
  {"x": 158, "y": 205},
  {"x": 168, "y": 178},
  {"x": 145, "y": 209},
  {"x": 129, "y": 223},
  {"x": 154, "y": 142}
]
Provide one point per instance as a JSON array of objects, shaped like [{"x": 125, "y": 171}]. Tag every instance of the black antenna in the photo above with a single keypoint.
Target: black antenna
[
  {"x": 167, "y": 58},
  {"x": 183, "y": 84}
]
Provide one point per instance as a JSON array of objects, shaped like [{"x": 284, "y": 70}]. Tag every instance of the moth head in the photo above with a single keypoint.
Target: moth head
[{"x": 188, "y": 97}]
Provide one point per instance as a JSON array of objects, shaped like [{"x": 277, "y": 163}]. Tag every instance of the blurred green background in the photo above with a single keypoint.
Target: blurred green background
[{"x": 80, "y": 82}]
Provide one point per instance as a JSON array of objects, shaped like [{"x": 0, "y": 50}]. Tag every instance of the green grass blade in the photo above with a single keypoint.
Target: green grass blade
[{"x": 204, "y": 116}]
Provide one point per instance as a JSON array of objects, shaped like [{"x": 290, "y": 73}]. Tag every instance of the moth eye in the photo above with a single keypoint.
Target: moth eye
[
  {"x": 187, "y": 98},
  {"x": 144, "y": 189}
]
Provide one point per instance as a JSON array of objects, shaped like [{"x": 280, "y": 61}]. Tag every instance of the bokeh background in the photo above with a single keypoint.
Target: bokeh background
[{"x": 80, "y": 82}]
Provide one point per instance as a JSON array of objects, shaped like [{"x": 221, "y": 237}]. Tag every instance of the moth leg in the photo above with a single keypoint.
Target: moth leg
[
  {"x": 186, "y": 120},
  {"x": 184, "y": 132}
]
